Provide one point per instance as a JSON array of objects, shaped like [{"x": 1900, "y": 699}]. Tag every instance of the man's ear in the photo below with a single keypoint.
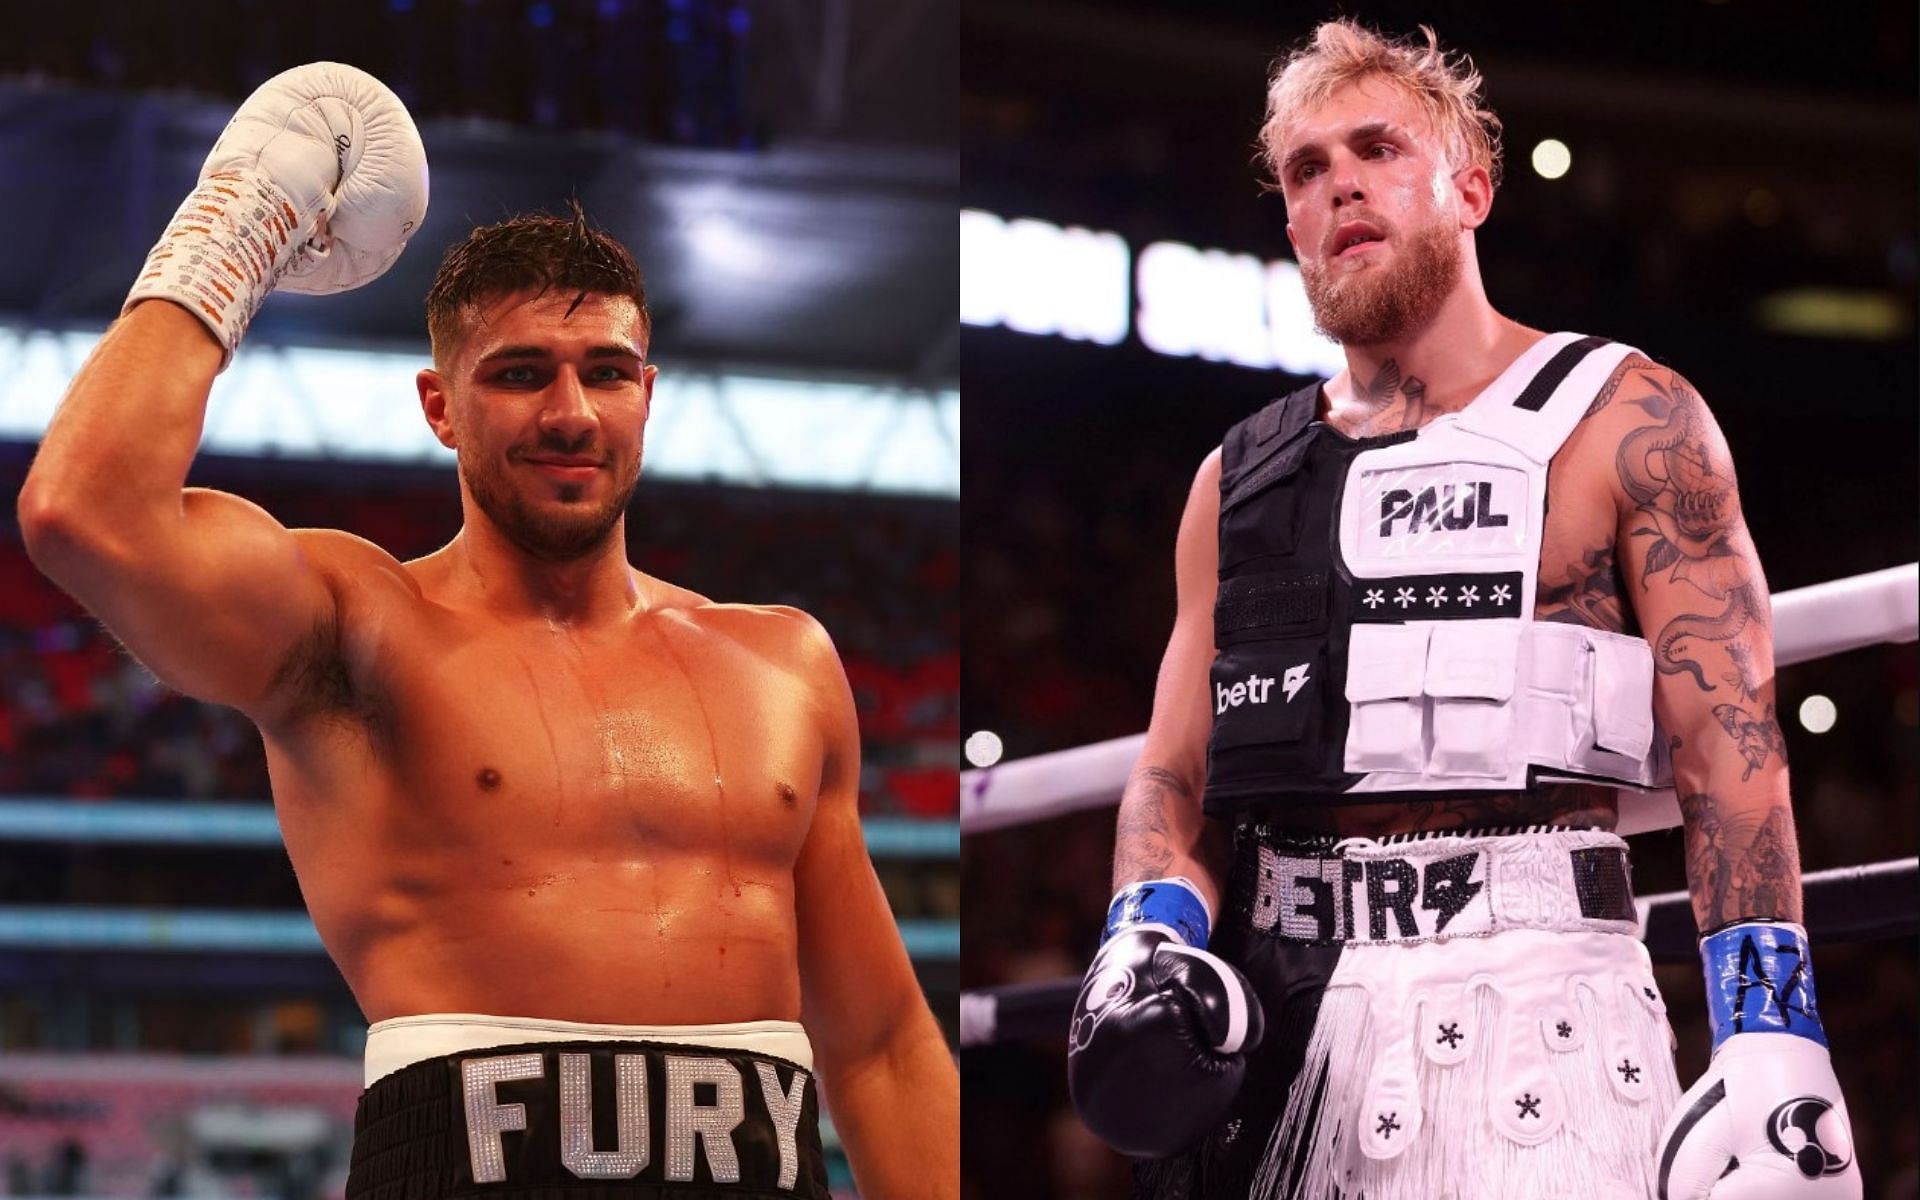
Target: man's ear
[
  {"x": 434, "y": 403},
  {"x": 1475, "y": 188}
]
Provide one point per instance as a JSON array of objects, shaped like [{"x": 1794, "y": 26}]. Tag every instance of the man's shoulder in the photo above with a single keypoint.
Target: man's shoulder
[
  {"x": 352, "y": 562},
  {"x": 777, "y": 631},
  {"x": 1640, "y": 390}
]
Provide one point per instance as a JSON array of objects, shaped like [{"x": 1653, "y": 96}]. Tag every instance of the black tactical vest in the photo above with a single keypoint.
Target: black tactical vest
[{"x": 1282, "y": 613}]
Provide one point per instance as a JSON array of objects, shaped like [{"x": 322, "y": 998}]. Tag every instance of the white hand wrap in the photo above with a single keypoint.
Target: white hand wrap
[{"x": 315, "y": 186}]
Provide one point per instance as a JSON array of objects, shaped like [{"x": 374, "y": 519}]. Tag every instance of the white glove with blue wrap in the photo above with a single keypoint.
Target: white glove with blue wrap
[{"x": 1766, "y": 1121}]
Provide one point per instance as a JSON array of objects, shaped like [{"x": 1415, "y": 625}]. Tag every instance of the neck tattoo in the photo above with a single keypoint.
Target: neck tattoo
[{"x": 1378, "y": 395}]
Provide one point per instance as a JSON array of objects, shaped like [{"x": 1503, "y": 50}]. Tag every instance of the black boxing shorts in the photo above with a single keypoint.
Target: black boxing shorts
[
  {"x": 1290, "y": 977},
  {"x": 510, "y": 1109}
]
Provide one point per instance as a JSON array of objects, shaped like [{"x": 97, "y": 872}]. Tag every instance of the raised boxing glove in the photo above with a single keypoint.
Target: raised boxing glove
[
  {"x": 1161, "y": 1028},
  {"x": 1766, "y": 1121},
  {"x": 315, "y": 185}
]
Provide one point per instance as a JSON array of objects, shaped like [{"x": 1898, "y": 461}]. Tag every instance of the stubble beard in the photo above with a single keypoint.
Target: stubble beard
[
  {"x": 563, "y": 531},
  {"x": 1368, "y": 307}
]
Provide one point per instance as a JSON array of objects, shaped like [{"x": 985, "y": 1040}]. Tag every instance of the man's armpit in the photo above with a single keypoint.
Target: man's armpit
[{"x": 314, "y": 679}]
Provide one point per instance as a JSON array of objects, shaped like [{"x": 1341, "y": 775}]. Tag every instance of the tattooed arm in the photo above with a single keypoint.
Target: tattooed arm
[
  {"x": 1161, "y": 830},
  {"x": 1695, "y": 582}
]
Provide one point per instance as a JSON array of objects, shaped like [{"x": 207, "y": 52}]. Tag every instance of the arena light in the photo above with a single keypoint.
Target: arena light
[
  {"x": 984, "y": 748},
  {"x": 724, "y": 244},
  {"x": 1035, "y": 277},
  {"x": 1226, "y": 307},
  {"x": 1039, "y": 278},
  {"x": 305, "y": 402},
  {"x": 1817, "y": 714},
  {"x": 1871, "y": 316},
  {"x": 1551, "y": 158}
]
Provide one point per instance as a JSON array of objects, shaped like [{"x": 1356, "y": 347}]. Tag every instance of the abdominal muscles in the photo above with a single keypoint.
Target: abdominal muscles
[{"x": 664, "y": 938}]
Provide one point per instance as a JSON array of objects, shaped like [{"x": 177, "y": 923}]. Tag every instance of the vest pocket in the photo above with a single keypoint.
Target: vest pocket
[
  {"x": 1613, "y": 717},
  {"x": 1268, "y": 695},
  {"x": 1260, "y": 514},
  {"x": 1470, "y": 678},
  {"x": 1386, "y": 669},
  {"x": 1269, "y": 606},
  {"x": 1622, "y": 696}
]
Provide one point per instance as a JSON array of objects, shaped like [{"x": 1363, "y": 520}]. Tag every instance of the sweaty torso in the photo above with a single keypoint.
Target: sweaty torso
[
  {"x": 514, "y": 817},
  {"x": 1579, "y": 583}
]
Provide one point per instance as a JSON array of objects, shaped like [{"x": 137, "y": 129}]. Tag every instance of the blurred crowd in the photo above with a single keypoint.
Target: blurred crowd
[{"x": 79, "y": 717}]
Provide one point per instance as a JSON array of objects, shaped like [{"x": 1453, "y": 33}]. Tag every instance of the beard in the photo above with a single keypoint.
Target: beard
[
  {"x": 566, "y": 530},
  {"x": 1369, "y": 307}
]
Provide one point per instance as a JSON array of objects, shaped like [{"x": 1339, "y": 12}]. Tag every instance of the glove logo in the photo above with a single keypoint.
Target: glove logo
[
  {"x": 1103, "y": 992},
  {"x": 1793, "y": 1128}
]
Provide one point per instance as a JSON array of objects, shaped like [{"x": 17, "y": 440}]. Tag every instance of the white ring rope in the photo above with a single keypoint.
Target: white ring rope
[{"x": 1808, "y": 623}]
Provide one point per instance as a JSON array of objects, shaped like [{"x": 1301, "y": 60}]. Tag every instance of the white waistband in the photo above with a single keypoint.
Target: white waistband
[
  {"x": 402, "y": 1041},
  {"x": 1429, "y": 888}
]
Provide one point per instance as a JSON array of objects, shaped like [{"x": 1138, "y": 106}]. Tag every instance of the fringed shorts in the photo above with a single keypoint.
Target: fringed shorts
[
  {"x": 1447, "y": 1018},
  {"x": 507, "y": 1108}
]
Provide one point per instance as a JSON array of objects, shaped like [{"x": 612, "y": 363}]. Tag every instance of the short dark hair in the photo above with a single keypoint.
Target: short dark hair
[{"x": 533, "y": 250}]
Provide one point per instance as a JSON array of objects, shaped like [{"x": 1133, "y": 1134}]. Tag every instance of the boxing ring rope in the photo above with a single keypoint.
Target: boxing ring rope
[
  {"x": 1808, "y": 623},
  {"x": 1846, "y": 904}
]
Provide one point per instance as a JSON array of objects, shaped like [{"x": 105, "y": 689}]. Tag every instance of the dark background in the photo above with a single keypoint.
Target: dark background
[{"x": 1721, "y": 152}]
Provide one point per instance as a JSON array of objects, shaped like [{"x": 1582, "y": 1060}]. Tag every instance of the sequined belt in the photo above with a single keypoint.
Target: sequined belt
[
  {"x": 1428, "y": 888},
  {"x": 593, "y": 1119}
]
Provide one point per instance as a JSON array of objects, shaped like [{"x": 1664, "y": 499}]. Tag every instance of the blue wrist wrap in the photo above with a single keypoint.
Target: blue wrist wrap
[
  {"x": 1760, "y": 980},
  {"x": 1169, "y": 902}
]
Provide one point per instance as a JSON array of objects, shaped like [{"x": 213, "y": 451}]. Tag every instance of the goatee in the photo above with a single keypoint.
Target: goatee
[
  {"x": 562, "y": 532},
  {"x": 1367, "y": 307}
]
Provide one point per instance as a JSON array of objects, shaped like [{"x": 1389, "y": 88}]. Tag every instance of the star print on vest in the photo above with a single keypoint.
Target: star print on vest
[{"x": 1451, "y": 597}]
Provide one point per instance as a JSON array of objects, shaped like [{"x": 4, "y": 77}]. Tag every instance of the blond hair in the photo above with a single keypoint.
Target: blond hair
[{"x": 1344, "y": 51}]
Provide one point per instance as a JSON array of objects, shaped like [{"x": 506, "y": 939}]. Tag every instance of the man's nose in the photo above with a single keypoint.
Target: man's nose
[
  {"x": 1344, "y": 172},
  {"x": 566, "y": 412}
]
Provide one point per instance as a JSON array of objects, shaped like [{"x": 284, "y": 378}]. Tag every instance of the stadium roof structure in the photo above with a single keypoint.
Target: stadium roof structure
[{"x": 708, "y": 425}]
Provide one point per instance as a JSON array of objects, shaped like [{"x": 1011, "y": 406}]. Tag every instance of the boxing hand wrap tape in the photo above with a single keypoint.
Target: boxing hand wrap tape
[
  {"x": 1760, "y": 980},
  {"x": 1172, "y": 904},
  {"x": 229, "y": 242}
]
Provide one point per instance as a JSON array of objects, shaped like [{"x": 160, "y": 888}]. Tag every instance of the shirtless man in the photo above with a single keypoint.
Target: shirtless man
[
  {"x": 1389, "y": 726},
  {"x": 584, "y": 844}
]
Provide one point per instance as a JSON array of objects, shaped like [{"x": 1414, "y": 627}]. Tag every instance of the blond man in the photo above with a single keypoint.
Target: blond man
[{"x": 1374, "y": 934}]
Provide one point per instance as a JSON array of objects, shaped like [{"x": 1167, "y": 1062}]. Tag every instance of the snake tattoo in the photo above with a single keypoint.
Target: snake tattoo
[{"x": 1689, "y": 505}]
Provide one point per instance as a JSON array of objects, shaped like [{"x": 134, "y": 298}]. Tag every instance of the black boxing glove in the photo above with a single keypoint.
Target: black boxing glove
[{"x": 1161, "y": 1029}]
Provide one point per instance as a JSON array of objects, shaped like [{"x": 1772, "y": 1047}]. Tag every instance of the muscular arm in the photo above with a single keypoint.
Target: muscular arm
[
  {"x": 1695, "y": 581},
  {"x": 208, "y": 590},
  {"x": 1161, "y": 831},
  {"x": 884, "y": 1067}
]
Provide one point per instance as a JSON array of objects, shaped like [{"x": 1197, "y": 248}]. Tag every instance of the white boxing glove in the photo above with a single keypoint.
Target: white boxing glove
[
  {"x": 1766, "y": 1121},
  {"x": 315, "y": 185}
]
